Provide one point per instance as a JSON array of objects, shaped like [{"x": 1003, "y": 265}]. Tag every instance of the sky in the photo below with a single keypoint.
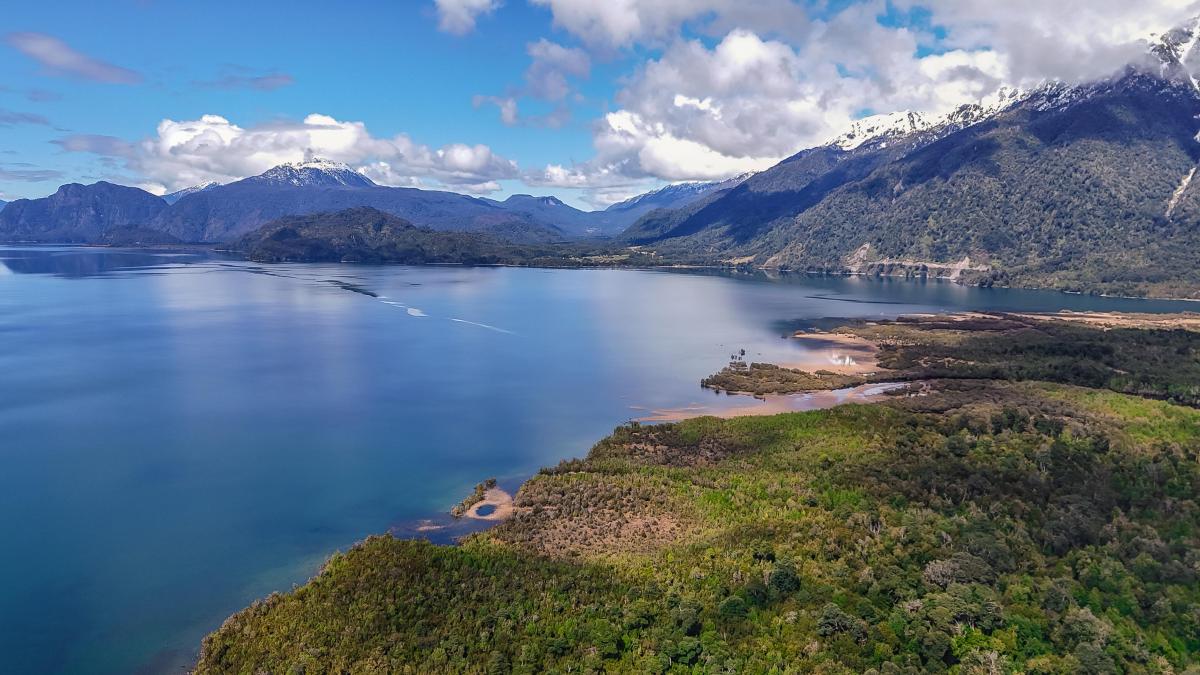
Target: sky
[{"x": 592, "y": 101}]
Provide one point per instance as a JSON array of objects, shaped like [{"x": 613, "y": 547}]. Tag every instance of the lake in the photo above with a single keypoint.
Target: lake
[{"x": 184, "y": 434}]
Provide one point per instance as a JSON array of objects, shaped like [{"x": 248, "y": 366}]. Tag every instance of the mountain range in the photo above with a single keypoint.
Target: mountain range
[
  {"x": 1079, "y": 187},
  {"x": 1083, "y": 186},
  {"x": 221, "y": 213}
]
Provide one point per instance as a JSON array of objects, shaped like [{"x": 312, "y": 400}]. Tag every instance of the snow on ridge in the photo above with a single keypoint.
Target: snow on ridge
[
  {"x": 317, "y": 171},
  {"x": 173, "y": 197},
  {"x": 867, "y": 129},
  {"x": 684, "y": 188},
  {"x": 906, "y": 122}
]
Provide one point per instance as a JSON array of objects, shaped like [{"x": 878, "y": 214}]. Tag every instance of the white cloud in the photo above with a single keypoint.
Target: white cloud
[
  {"x": 552, "y": 64},
  {"x": 58, "y": 58},
  {"x": 548, "y": 78},
  {"x": 776, "y": 83},
  {"x": 727, "y": 86},
  {"x": 1064, "y": 39},
  {"x": 190, "y": 152},
  {"x": 459, "y": 16},
  {"x": 621, "y": 23},
  {"x": 507, "y": 105}
]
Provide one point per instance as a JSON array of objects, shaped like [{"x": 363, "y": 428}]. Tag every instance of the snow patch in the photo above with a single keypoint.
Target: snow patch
[
  {"x": 316, "y": 172},
  {"x": 881, "y": 129}
]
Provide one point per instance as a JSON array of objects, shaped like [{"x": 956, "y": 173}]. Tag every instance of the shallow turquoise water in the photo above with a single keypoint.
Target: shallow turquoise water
[{"x": 181, "y": 435}]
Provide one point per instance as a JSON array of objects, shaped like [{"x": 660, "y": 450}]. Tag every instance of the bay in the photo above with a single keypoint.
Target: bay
[{"x": 182, "y": 434}]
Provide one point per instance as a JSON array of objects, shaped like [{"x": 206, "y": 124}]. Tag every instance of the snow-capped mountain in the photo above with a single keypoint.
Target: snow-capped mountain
[
  {"x": 1089, "y": 182},
  {"x": 878, "y": 130},
  {"x": 173, "y": 197},
  {"x": 316, "y": 172},
  {"x": 1173, "y": 57},
  {"x": 1179, "y": 46},
  {"x": 674, "y": 196},
  {"x": 880, "y": 127}
]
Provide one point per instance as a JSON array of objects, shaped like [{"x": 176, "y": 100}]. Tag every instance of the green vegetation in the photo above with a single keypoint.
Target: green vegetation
[
  {"x": 368, "y": 235},
  {"x": 1012, "y": 530},
  {"x": 761, "y": 379},
  {"x": 983, "y": 526},
  {"x": 1161, "y": 363},
  {"x": 1154, "y": 362},
  {"x": 474, "y": 498}
]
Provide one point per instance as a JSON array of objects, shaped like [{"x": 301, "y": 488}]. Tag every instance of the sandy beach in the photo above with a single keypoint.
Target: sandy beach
[
  {"x": 776, "y": 404},
  {"x": 840, "y": 353},
  {"x": 1187, "y": 321},
  {"x": 501, "y": 503}
]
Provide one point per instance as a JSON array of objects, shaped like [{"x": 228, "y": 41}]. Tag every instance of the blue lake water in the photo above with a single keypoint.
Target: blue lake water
[{"x": 180, "y": 435}]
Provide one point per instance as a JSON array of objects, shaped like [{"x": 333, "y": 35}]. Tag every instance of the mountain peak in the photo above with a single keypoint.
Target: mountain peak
[
  {"x": 315, "y": 172},
  {"x": 173, "y": 197},
  {"x": 547, "y": 200},
  {"x": 874, "y": 127},
  {"x": 881, "y": 128},
  {"x": 1176, "y": 49}
]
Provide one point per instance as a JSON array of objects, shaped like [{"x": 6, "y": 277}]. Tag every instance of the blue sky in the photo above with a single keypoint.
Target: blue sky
[
  {"x": 384, "y": 64},
  {"x": 604, "y": 99}
]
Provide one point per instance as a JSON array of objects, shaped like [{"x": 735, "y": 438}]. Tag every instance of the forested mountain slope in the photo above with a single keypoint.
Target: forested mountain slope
[{"x": 1076, "y": 187}]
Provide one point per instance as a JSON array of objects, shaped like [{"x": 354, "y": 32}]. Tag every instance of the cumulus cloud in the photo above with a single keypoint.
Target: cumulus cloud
[
  {"x": 458, "y": 16},
  {"x": 1066, "y": 39},
  {"x": 58, "y": 58},
  {"x": 776, "y": 81},
  {"x": 190, "y": 152}
]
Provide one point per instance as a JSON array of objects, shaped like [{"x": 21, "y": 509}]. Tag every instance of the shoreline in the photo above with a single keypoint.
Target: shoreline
[
  {"x": 215, "y": 248},
  {"x": 591, "y": 509},
  {"x": 778, "y": 404},
  {"x": 846, "y": 354},
  {"x": 500, "y": 503}
]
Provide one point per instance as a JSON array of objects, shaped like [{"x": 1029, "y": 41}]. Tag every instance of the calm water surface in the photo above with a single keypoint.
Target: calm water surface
[{"x": 180, "y": 435}]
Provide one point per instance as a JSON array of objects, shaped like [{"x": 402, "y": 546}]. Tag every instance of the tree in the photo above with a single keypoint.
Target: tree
[{"x": 732, "y": 609}]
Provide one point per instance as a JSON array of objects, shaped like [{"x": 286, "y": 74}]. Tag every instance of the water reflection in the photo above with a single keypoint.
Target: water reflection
[{"x": 80, "y": 262}]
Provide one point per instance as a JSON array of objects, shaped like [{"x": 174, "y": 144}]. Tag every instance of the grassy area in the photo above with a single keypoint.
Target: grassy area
[
  {"x": 986, "y": 527},
  {"x": 1156, "y": 362}
]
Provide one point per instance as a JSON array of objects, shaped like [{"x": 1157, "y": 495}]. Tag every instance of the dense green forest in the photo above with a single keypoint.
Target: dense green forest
[
  {"x": 982, "y": 526},
  {"x": 368, "y": 235}
]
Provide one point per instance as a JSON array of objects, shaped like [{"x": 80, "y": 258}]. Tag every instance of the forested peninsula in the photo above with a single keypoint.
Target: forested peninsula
[{"x": 1028, "y": 505}]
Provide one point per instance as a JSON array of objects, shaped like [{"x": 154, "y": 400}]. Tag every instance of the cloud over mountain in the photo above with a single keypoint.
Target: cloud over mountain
[
  {"x": 735, "y": 86},
  {"x": 212, "y": 148}
]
